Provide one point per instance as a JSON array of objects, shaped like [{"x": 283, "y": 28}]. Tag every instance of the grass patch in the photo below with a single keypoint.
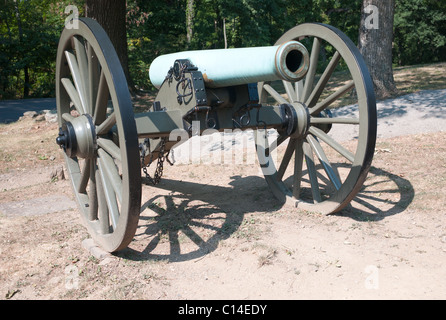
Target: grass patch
[{"x": 410, "y": 79}]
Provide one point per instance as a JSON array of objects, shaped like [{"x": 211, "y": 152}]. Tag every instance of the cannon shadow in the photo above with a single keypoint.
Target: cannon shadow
[{"x": 204, "y": 215}]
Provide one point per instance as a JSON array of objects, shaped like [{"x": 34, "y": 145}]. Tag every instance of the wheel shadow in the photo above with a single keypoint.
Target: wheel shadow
[
  {"x": 192, "y": 218},
  {"x": 383, "y": 194}
]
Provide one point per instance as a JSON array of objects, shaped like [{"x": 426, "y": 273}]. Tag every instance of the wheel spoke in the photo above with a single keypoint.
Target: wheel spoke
[
  {"x": 299, "y": 90},
  {"x": 77, "y": 78},
  {"x": 286, "y": 158},
  {"x": 332, "y": 98},
  {"x": 67, "y": 117},
  {"x": 276, "y": 96},
  {"x": 81, "y": 55},
  {"x": 74, "y": 96},
  {"x": 106, "y": 126},
  {"x": 100, "y": 109},
  {"x": 104, "y": 223},
  {"x": 85, "y": 176},
  {"x": 112, "y": 173},
  {"x": 93, "y": 196},
  {"x": 111, "y": 148},
  {"x": 309, "y": 79},
  {"x": 309, "y": 160},
  {"x": 324, "y": 161},
  {"x": 332, "y": 143},
  {"x": 298, "y": 162},
  {"x": 316, "y": 93},
  {"x": 109, "y": 193},
  {"x": 336, "y": 120},
  {"x": 279, "y": 140},
  {"x": 93, "y": 76},
  {"x": 292, "y": 97}
]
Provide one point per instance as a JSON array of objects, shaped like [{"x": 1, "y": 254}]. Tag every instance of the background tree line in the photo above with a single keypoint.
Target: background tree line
[{"x": 30, "y": 29}]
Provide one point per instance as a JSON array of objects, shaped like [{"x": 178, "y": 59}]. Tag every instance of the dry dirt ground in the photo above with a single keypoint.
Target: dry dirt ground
[{"x": 216, "y": 232}]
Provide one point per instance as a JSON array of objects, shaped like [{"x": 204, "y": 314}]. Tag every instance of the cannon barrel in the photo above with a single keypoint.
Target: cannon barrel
[{"x": 229, "y": 67}]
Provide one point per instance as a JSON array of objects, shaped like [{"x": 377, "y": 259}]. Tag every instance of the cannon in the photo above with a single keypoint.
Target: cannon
[{"x": 283, "y": 93}]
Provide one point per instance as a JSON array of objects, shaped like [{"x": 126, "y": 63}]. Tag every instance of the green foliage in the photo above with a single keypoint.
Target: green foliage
[
  {"x": 154, "y": 28},
  {"x": 29, "y": 34},
  {"x": 420, "y": 31},
  {"x": 159, "y": 27}
]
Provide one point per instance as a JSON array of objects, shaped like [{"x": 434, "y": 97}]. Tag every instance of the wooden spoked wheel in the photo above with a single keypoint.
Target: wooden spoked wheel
[
  {"x": 318, "y": 170},
  {"x": 98, "y": 134}
]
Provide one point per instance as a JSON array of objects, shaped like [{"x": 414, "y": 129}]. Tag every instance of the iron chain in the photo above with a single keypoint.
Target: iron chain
[{"x": 162, "y": 156}]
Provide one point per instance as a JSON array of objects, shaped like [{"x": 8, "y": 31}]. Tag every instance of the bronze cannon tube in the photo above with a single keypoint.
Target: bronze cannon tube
[{"x": 230, "y": 67}]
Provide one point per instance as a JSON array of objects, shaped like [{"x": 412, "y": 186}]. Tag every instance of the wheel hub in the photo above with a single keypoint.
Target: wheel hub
[
  {"x": 296, "y": 118},
  {"x": 78, "y": 137}
]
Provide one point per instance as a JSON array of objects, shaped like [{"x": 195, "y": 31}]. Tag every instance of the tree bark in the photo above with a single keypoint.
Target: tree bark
[
  {"x": 224, "y": 33},
  {"x": 375, "y": 44},
  {"x": 111, "y": 15},
  {"x": 26, "y": 85},
  {"x": 190, "y": 13}
]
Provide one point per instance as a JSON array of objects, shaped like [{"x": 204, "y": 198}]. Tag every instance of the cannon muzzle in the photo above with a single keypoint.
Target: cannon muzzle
[{"x": 230, "y": 67}]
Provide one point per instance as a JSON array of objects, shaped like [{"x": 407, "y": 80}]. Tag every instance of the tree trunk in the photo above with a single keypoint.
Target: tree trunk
[
  {"x": 26, "y": 85},
  {"x": 5, "y": 77},
  {"x": 375, "y": 44},
  {"x": 189, "y": 21},
  {"x": 111, "y": 15},
  {"x": 224, "y": 33}
]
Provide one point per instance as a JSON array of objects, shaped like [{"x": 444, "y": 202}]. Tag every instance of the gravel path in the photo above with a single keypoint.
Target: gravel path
[
  {"x": 420, "y": 112},
  {"x": 12, "y": 110}
]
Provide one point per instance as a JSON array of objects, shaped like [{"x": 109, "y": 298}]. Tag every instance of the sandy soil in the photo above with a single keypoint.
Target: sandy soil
[{"x": 216, "y": 232}]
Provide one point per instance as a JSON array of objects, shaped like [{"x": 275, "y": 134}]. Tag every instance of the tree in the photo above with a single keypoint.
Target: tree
[
  {"x": 29, "y": 34},
  {"x": 26, "y": 66},
  {"x": 189, "y": 21},
  {"x": 30, "y": 31},
  {"x": 111, "y": 15},
  {"x": 375, "y": 44},
  {"x": 419, "y": 31},
  {"x": 154, "y": 28}
]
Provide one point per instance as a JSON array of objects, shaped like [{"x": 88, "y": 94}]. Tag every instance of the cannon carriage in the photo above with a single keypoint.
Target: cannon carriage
[{"x": 107, "y": 147}]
